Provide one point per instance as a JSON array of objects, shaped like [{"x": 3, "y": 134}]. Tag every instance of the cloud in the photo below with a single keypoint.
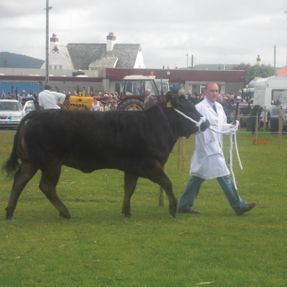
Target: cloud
[{"x": 218, "y": 31}]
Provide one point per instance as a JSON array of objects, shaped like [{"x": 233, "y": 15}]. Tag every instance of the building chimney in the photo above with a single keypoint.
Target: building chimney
[
  {"x": 110, "y": 41},
  {"x": 54, "y": 39},
  {"x": 54, "y": 43},
  {"x": 258, "y": 60}
]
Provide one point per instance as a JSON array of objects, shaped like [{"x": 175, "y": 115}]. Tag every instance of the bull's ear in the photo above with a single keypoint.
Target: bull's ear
[{"x": 170, "y": 97}]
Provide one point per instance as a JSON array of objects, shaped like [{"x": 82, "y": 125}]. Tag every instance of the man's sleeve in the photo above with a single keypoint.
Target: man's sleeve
[
  {"x": 61, "y": 98},
  {"x": 40, "y": 100}
]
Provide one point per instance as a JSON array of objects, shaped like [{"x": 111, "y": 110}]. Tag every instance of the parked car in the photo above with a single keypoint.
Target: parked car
[{"x": 12, "y": 112}]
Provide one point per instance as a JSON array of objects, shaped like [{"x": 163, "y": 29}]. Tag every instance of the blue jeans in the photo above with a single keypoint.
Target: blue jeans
[{"x": 193, "y": 186}]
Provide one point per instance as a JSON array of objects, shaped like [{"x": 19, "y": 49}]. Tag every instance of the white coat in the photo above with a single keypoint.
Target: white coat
[
  {"x": 208, "y": 158},
  {"x": 50, "y": 99}
]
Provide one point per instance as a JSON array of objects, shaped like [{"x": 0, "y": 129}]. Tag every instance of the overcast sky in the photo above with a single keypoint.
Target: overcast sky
[{"x": 214, "y": 31}]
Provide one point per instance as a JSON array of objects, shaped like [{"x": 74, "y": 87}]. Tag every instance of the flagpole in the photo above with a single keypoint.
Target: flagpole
[{"x": 47, "y": 42}]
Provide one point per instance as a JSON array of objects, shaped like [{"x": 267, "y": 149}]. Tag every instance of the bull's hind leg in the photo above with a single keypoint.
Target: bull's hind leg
[
  {"x": 25, "y": 172},
  {"x": 129, "y": 186},
  {"x": 158, "y": 176},
  {"x": 48, "y": 182}
]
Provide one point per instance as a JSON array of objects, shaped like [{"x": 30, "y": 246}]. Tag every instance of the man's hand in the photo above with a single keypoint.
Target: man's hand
[{"x": 234, "y": 127}]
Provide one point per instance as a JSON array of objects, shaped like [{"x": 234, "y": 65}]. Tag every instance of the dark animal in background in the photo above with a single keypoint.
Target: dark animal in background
[{"x": 136, "y": 142}]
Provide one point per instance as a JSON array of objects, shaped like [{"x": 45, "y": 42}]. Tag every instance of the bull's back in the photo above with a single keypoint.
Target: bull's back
[{"x": 93, "y": 140}]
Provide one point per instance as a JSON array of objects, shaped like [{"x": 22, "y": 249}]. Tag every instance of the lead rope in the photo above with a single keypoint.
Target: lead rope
[{"x": 232, "y": 141}]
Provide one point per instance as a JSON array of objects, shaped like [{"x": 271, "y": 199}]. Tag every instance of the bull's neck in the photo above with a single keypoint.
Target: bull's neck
[
  {"x": 180, "y": 126},
  {"x": 175, "y": 127}
]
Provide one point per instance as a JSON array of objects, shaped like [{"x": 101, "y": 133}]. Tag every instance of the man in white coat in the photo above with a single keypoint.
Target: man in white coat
[
  {"x": 49, "y": 99},
  {"x": 208, "y": 160}
]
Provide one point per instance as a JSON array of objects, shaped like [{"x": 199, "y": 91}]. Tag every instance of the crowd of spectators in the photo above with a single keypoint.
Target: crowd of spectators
[
  {"x": 104, "y": 100},
  {"x": 229, "y": 102},
  {"x": 22, "y": 97}
]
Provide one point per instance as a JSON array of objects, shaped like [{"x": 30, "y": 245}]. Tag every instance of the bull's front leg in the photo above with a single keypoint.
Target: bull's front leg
[
  {"x": 158, "y": 176},
  {"x": 172, "y": 199},
  {"x": 130, "y": 182}
]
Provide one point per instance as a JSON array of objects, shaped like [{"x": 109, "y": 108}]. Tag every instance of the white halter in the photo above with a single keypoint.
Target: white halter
[{"x": 197, "y": 123}]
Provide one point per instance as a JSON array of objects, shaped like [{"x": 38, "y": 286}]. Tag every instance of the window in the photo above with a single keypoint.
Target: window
[
  {"x": 10, "y": 106},
  {"x": 149, "y": 85},
  {"x": 135, "y": 88},
  {"x": 279, "y": 97}
]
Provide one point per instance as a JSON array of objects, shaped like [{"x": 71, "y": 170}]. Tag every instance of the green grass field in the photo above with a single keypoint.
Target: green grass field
[{"x": 99, "y": 247}]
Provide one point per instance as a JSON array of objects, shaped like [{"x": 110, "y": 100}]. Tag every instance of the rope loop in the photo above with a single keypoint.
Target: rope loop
[{"x": 233, "y": 128}]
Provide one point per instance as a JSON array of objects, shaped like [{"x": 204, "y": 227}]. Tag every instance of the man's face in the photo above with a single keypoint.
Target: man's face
[{"x": 212, "y": 92}]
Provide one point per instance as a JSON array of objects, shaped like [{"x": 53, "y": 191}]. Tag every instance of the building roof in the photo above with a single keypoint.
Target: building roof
[
  {"x": 127, "y": 54},
  {"x": 214, "y": 67},
  {"x": 83, "y": 55},
  {"x": 235, "y": 76},
  {"x": 12, "y": 60},
  {"x": 108, "y": 61}
]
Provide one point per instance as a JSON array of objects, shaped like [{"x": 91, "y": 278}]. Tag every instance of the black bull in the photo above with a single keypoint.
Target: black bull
[{"x": 136, "y": 142}]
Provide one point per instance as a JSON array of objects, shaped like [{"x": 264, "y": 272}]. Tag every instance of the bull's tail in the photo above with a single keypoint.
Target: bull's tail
[{"x": 12, "y": 163}]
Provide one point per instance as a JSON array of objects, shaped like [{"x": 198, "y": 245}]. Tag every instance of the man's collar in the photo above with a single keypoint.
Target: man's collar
[{"x": 211, "y": 103}]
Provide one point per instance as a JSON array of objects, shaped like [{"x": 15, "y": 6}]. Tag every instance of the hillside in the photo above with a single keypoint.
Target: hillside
[{"x": 11, "y": 60}]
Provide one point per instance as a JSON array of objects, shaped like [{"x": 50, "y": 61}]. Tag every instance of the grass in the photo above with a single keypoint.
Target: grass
[{"x": 99, "y": 247}]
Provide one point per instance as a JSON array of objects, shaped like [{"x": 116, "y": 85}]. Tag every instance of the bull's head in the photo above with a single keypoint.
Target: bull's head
[{"x": 192, "y": 119}]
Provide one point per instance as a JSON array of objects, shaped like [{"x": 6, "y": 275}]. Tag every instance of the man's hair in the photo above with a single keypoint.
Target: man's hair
[
  {"x": 181, "y": 92},
  {"x": 211, "y": 83},
  {"x": 47, "y": 87}
]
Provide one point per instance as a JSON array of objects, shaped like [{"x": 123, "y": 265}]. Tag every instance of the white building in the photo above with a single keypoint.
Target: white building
[
  {"x": 59, "y": 57},
  {"x": 94, "y": 56}
]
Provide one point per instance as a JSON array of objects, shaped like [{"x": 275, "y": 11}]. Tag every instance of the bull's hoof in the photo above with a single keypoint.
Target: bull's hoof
[
  {"x": 9, "y": 214},
  {"x": 126, "y": 212},
  {"x": 65, "y": 215},
  {"x": 172, "y": 210},
  {"x": 173, "y": 214}
]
